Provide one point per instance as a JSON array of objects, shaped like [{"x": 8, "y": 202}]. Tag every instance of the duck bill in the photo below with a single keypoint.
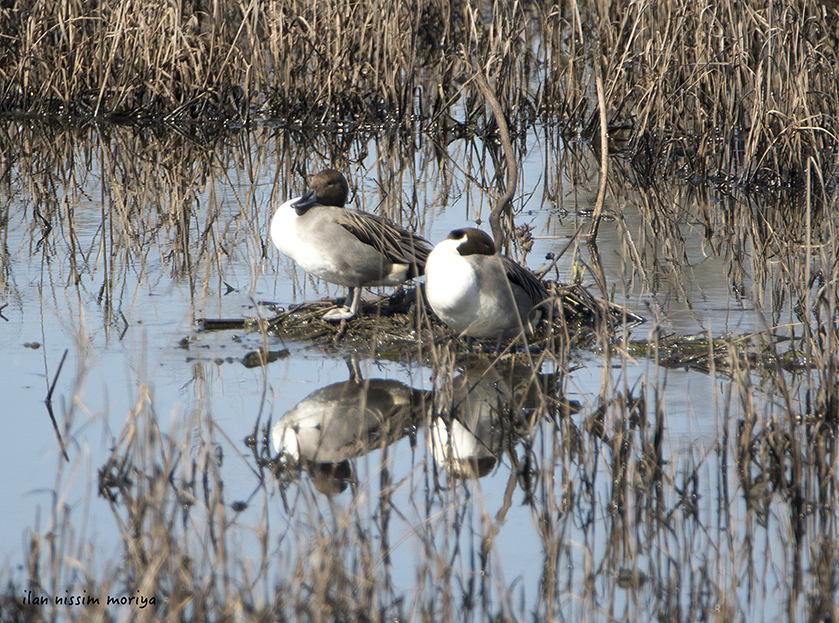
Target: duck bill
[{"x": 305, "y": 202}]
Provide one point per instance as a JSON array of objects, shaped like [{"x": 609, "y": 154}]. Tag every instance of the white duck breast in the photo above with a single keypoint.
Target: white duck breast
[
  {"x": 346, "y": 247},
  {"x": 478, "y": 292}
]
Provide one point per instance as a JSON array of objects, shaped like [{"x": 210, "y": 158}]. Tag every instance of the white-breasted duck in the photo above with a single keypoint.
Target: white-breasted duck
[
  {"x": 479, "y": 292},
  {"x": 346, "y": 247}
]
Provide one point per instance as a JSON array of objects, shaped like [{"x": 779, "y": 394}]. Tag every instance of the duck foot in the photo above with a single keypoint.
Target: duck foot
[{"x": 339, "y": 314}]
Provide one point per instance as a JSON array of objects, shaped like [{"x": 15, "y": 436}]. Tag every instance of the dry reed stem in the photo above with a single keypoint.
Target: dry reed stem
[
  {"x": 502, "y": 206},
  {"x": 604, "y": 161}
]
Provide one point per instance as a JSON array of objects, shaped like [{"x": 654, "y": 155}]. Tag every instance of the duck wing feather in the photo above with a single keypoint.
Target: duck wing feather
[
  {"x": 525, "y": 279},
  {"x": 396, "y": 243}
]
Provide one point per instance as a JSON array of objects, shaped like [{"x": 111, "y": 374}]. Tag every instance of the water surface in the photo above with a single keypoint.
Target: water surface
[{"x": 115, "y": 244}]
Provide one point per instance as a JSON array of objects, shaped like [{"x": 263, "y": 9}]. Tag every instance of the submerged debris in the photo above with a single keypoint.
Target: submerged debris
[
  {"x": 258, "y": 358},
  {"x": 705, "y": 353}
]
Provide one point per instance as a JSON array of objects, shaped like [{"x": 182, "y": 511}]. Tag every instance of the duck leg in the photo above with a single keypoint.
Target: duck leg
[
  {"x": 345, "y": 313},
  {"x": 498, "y": 345}
]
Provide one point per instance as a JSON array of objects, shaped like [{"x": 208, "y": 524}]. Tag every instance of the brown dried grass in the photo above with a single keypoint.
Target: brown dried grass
[{"x": 730, "y": 93}]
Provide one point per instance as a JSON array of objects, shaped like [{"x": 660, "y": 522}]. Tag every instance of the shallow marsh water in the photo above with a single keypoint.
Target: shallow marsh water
[{"x": 115, "y": 243}]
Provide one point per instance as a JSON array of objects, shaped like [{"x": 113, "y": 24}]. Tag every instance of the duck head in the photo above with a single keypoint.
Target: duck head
[
  {"x": 327, "y": 188},
  {"x": 472, "y": 241}
]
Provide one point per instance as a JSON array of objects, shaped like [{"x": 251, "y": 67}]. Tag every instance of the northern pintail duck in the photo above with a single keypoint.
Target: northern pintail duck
[
  {"x": 346, "y": 247},
  {"x": 478, "y": 292}
]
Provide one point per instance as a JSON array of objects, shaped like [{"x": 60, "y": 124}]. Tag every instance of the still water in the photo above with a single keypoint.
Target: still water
[{"x": 114, "y": 245}]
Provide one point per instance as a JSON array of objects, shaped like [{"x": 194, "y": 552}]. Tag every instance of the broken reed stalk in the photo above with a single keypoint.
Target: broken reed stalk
[{"x": 505, "y": 200}]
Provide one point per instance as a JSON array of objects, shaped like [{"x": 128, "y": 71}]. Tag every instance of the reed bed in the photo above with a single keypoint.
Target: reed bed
[
  {"x": 735, "y": 94},
  {"x": 730, "y": 94}
]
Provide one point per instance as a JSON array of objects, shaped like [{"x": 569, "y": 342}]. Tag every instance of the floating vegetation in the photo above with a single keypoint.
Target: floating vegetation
[
  {"x": 705, "y": 353},
  {"x": 391, "y": 326}
]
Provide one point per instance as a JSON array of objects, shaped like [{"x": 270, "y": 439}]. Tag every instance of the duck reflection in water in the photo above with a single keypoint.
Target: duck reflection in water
[
  {"x": 340, "y": 422},
  {"x": 477, "y": 411}
]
